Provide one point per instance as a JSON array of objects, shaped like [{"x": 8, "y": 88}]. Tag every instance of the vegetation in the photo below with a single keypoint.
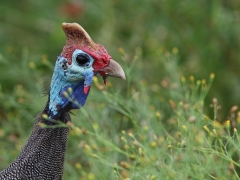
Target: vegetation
[{"x": 176, "y": 116}]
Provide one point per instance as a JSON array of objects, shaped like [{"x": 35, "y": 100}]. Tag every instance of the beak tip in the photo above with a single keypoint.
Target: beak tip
[
  {"x": 120, "y": 72},
  {"x": 123, "y": 77}
]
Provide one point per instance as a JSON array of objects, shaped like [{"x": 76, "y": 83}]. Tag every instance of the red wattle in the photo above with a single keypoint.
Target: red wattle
[
  {"x": 105, "y": 82},
  {"x": 86, "y": 89}
]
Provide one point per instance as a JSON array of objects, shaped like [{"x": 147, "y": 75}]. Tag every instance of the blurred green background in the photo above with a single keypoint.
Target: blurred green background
[
  {"x": 203, "y": 35},
  {"x": 206, "y": 34}
]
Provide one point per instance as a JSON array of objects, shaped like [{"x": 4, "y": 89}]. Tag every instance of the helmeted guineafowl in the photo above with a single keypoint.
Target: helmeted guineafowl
[{"x": 42, "y": 157}]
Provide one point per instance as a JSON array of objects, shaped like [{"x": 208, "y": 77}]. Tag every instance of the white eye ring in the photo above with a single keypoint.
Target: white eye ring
[{"x": 82, "y": 59}]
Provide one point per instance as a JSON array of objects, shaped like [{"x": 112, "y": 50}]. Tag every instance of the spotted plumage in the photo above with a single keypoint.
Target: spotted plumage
[{"x": 42, "y": 157}]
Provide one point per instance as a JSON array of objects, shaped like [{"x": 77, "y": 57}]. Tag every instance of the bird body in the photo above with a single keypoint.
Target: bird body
[{"x": 42, "y": 157}]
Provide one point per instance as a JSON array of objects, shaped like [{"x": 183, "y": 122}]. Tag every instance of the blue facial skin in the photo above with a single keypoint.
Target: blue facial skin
[{"x": 67, "y": 85}]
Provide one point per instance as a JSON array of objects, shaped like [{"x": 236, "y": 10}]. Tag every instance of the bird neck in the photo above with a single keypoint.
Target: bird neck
[{"x": 42, "y": 157}]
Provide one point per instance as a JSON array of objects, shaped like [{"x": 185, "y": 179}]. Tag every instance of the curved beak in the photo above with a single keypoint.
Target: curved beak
[{"x": 113, "y": 69}]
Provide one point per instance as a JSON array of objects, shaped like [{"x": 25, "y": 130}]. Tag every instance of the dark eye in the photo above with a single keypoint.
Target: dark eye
[{"x": 82, "y": 60}]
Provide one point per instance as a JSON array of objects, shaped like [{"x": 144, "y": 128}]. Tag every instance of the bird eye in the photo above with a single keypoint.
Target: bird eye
[{"x": 82, "y": 60}]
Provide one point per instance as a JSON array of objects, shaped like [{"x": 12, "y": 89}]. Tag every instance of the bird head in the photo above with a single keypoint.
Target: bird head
[{"x": 80, "y": 60}]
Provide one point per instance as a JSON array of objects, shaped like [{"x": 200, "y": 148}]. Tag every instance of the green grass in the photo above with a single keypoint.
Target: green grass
[{"x": 174, "y": 118}]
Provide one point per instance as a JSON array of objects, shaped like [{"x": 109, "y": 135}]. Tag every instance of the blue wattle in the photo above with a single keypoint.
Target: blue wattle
[
  {"x": 77, "y": 99},
  {"x": 65, "y": 100}
]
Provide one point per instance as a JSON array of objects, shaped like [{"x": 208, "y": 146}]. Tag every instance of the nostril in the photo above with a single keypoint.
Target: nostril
[{"x": 64, "y": 65}]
